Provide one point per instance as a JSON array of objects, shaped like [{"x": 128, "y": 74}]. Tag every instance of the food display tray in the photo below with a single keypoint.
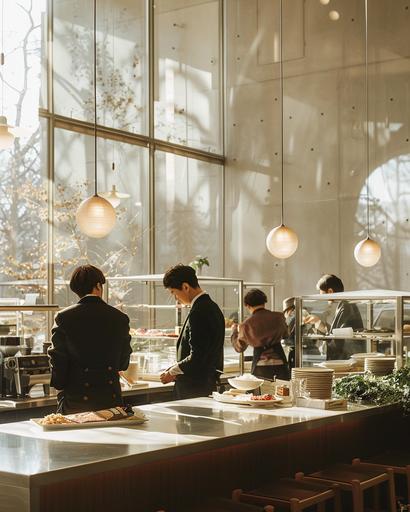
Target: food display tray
[
  {"x": 230, "y": 399},
  {"x": 91, "y": 424}
]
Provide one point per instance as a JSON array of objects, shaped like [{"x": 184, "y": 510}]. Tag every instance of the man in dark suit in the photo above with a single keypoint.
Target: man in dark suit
[
  {"x": 90, "y": 345},
  {"x": 346, "y": 315},
  {"x": 200, "y": 344}
]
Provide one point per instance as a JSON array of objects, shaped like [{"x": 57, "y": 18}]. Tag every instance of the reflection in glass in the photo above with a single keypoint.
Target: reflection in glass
[
  {"x": 125, "y": 250},
  {"x": 121, "y": 63},
  {"x": 187, "y": 81}
]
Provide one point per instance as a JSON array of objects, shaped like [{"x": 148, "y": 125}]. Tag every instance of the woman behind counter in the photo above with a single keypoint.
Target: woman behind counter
[
  {"x": 90, "y": 345},
  {"x": 263, "y": 331}
]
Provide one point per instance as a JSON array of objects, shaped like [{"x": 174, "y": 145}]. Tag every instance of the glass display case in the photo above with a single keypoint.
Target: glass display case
[
  {"x": 339, "y": 326},
  {"x": 156, "y": 319}
]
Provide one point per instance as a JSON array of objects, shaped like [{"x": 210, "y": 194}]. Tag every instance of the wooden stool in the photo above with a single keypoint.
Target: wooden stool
[
  {"x": 293, "y": 495},
  {"x": 356, "y": 480},
  {"x": 399, "y": 462},
  {"x": 224, "y": 505}
]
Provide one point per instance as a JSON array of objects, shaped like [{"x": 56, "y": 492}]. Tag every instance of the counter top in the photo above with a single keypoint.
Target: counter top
[
  {"x": 33, "y": 457},
  {"x": 39, "y": 400}
]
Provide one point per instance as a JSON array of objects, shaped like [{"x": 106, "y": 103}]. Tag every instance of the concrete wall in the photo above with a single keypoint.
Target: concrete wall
[{"x": 324, "y": 140}]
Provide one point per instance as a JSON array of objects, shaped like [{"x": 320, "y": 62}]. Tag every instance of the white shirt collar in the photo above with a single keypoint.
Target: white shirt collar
[{"x": 197, "y": 296}]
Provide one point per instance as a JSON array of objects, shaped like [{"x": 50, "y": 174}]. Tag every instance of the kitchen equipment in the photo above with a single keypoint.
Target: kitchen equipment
[
  {"x": 10, "y": 345},
  {"x": 19, "y": 373}
]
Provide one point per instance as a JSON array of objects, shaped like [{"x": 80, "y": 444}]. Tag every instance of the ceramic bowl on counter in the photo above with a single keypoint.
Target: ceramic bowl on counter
[{"x": 245, "y": 382}]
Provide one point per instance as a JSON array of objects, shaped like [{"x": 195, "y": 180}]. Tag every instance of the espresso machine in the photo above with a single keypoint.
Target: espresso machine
[{"x": 20, "y": 370}]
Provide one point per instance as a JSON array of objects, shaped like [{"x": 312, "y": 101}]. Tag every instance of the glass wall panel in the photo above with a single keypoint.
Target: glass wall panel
[
  {"x": 187, "y": 73},
  {"x": 121, "y": 62},
  {"x": 125, "y": 250},
  {"x": 23, "y": 192},
  {"x": 188, "y": 212}
]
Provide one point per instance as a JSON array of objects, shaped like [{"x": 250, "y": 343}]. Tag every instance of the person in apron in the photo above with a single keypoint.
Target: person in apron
[{"x": 263, "y": 331}]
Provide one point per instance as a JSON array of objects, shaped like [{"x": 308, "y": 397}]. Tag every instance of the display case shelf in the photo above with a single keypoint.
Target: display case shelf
[{"x": 386, "y": 321}]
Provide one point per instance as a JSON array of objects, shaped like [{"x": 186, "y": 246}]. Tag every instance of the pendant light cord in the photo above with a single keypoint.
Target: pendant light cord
[
  {"x": 95, "y": 97},
  {"x": 367, "y": 120},
  {"x": 281, "y": 106}
]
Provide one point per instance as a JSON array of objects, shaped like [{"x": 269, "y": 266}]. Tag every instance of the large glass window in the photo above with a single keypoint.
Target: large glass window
[
  {"x": 187, "y": 73},
  {"x": 188, "y": 211},
  {"x": 121, "y": 62},
  {"x": 23, "y": 192},
  {"x": 125, "y": 250}
]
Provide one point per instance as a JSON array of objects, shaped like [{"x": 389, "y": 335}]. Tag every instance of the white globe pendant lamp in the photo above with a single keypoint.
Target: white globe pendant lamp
[
  {"x": 96, "y": 215},
  {"x": 281, "y": 241},
  {"x": 367, "y": 252}
]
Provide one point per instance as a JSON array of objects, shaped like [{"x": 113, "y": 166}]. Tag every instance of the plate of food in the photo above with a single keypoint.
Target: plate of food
[
  {"x": 114, "y": 417},
  {"x": 247, "y": 399}
]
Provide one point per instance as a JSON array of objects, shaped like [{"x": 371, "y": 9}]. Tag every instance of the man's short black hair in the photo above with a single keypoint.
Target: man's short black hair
[
  {"x": 85, "y": 279},
  {"x": 174, "y": 277},
  {"x": 255, "y": 298},
  {"x": 330, "y": 281}
]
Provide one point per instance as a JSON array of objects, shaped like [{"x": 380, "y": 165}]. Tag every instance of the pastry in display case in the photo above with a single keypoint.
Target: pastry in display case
[{"x": 374, "y": 335}]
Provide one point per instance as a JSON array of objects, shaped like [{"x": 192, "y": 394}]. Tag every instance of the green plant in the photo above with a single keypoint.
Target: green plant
[
  {"x": 199, "y": 262},
  {"x": 393, "y": 388}
]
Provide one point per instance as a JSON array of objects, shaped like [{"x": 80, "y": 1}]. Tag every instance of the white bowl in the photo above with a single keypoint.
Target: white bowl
[{"x": 245, "y": 384}]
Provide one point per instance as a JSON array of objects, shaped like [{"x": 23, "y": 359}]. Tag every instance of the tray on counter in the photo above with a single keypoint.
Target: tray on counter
[
  {"x": 237, "y": 400},
  {"x": 91, "y": 424}
]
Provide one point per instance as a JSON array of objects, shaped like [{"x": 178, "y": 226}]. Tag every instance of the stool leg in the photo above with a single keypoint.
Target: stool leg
[
  {"x": 337, "y": 499},
  {"x": 357, "y": 496},
  {"x": 294, "y": 505},
  {"x": 236, "y": 495},
  {"x": 376, "y": 498},
  {"x": 392, "y": 490}
]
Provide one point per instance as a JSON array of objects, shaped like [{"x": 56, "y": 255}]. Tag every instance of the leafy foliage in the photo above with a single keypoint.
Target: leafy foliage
[
  {"x": 393, "y": 388},
  {"x": 199, "y": 262}
]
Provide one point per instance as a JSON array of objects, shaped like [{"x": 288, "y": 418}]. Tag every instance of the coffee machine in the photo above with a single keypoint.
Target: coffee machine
[{"x": 20, "y": 371}]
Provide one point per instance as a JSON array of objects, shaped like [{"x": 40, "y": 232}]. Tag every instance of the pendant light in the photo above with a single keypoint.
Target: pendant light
[
  {"x": 113, "y": 196},
  {"x": 367, "y": 252},
  {"x": 95, "y": 215},
  {"x": 282, "y": 241}
]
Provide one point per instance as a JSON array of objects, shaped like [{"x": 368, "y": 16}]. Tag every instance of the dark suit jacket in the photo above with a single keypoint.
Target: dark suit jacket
[
  {"x": 200, "y": 345},
  {"x": 347, "y": 315},
  {"x": 90, "y": 344}
]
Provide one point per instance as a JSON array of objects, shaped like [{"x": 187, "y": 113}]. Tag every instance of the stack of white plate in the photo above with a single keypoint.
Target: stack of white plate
[
  {"x": 361, "y": 356},
  {"x": 339, "y": 365},
  {"x": 379, "y": 365},
  {"x": 318, "y": 381}
]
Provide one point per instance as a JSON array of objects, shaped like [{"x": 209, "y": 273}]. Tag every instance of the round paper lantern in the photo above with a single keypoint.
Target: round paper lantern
[
  {"x": 367, "y": 252},
  {"x": 96, "y": 217},
  {"x": 282, "y": 242}
]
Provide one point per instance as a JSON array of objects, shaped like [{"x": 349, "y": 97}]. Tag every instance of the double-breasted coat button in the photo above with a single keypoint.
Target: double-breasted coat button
[
  {"x": 86, "y": 369},
  {"x": 85, "y": 397},
  {"x": 109, "y": 368},
  {"x": 110, "y": 382},
  {"x": 87, "y": 384},
  {"x": 114, "y": 395}
]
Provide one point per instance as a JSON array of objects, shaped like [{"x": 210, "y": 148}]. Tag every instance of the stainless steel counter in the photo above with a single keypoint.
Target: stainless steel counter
[
  {"x": 174, "y": 429},
  {"x": 39, "y": 400}
]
